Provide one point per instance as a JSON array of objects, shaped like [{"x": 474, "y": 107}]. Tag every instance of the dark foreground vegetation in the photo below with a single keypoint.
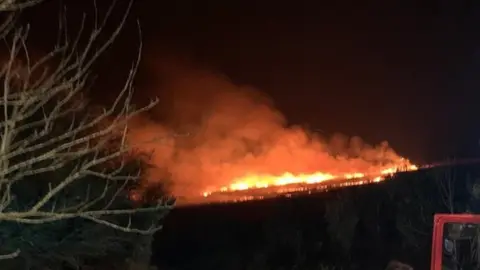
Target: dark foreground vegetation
[{"x": 361, "y": 227}]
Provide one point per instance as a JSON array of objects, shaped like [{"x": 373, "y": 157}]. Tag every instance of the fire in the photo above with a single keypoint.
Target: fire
[
  {"x": 219, "y": 138},
  {"x": 261, "y": 181}
]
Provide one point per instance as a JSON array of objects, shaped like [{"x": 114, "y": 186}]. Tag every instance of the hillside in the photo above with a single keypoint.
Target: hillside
[{"x": 356, "y": 227}]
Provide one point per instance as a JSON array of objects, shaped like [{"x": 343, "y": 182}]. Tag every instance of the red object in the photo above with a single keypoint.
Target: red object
[{"x": 437, "y": 240}]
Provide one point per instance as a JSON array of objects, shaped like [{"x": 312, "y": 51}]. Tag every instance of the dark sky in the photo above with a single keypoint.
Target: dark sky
[{"x": 403, "y": 71}]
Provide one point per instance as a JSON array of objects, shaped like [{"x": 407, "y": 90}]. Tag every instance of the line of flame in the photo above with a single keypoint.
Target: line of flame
[{"x": 261, "y": 181}]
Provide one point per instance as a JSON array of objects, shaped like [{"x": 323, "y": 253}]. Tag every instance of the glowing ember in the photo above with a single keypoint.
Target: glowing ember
[{"x": 252, "y": 181}]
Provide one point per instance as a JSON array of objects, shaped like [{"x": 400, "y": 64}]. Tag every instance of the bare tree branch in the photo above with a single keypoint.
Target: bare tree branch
[
  {"x": 29, "y": 145},
  {"x": 10, "y": 255},
  {"x": 446, "y": 186},
  {"x": 16, "y": 5}
]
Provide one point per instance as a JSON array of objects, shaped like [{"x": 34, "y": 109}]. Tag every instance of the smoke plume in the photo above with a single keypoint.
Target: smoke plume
[{"x": 212, "y": 131}]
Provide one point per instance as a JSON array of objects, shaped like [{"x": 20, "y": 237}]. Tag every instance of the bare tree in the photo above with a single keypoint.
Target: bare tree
[
  {"x": 46, "y": 127},
  {"x": 418, "y": 199}
]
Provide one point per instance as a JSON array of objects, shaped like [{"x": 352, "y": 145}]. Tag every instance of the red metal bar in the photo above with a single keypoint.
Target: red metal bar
[{"x": 437, "y": 238}]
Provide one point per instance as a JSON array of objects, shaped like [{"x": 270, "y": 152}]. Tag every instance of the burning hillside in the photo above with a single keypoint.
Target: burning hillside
[
  {"x": 290, "y": 183},
  {"x": 233, "y": 139}
]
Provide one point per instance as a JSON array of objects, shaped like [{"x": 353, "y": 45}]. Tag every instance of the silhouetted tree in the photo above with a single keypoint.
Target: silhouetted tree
[{"x": 66, "y": 168}]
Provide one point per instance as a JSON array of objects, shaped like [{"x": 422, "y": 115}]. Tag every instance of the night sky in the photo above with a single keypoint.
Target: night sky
[{"x": 402, "y": 71}]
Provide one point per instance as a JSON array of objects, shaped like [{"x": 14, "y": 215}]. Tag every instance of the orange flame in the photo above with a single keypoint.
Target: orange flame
[
  {"x": 253, "y": 181},
  {"x": 236, "y": 140}
]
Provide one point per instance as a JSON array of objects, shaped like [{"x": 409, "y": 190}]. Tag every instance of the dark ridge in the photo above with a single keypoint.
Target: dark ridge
[{"x": 285, "y": 230}]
